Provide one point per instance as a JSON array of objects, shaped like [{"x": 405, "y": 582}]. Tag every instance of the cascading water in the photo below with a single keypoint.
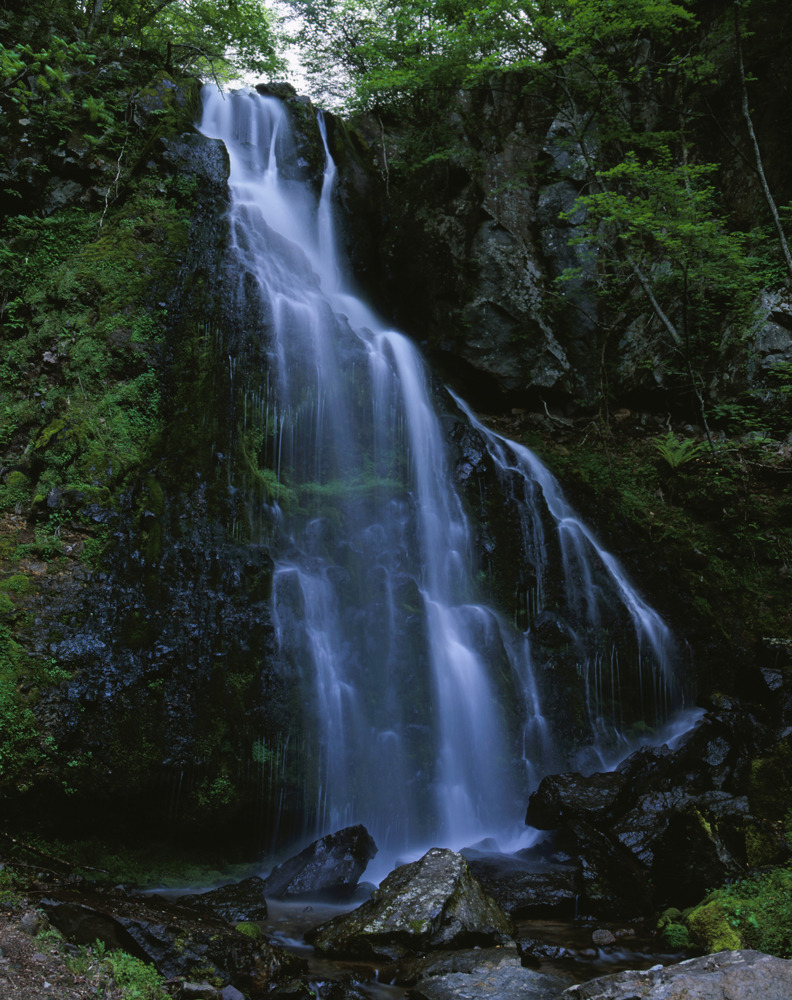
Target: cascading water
[{"x": 425, "y": 705}]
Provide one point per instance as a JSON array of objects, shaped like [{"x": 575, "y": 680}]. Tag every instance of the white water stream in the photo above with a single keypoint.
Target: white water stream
[{"x": 423, "y": 705}]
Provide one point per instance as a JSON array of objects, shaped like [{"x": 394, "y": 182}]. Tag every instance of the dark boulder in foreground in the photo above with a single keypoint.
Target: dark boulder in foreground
[
  {"x": 431, "y": 903},
  {"x": 507, "y": 980},
  {"x": 725, "y": 975},
  {"x": 330, "y": 866},
  {"x": 234, "y": 903},
  {"x": 179, "y": 942}
]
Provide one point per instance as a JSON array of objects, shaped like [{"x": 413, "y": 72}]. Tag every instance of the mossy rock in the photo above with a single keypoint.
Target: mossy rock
[
  {"x": 17, "y": 584},
  {"x": 249, "y": 929},
  {"x": 709, "y": 926}
]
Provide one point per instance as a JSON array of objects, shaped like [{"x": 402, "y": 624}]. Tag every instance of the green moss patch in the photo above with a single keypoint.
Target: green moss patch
[{"x": 754, "y": 913}]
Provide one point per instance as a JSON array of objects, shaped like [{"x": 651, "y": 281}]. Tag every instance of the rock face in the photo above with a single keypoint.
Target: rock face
[
  {"x": 667, "y": 824},
  {"x": 726, "y": 975},
  {"x": 232, "y": 903},
  {"x": 431, "y": 903},
  {"x": 175, "y": 940},
  {"x": 330, "y": 866},
  {"x": 524, "y": 885}
]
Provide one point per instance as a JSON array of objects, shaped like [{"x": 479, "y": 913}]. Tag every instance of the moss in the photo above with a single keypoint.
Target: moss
[
  {"x": 250, "y": 930},
  {"x": 755, "y": 912},
  {"x": 17, "y": 584},
  {"x": 15, "y": 491},
  {"x": 709, "y": 926}
]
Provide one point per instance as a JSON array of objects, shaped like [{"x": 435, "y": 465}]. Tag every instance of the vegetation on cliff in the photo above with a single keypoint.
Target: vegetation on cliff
[
  {"x": 104, "y": 367},
  {"x": 101, "y": 215}
]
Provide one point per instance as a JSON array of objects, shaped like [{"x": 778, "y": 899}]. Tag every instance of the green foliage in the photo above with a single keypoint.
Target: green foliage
[
  {"x": 138, "y": 980},
  {"x": 249, "y": 929},
  {"x": 186, "y": 36},
  {"x": 755, "y": 912},
  {"x": 678, "y": 451},
  {"x": 212, "y": 37},
  {"x": 24, "y": 749},
  {"x": 10, "y": 886},
  {"x": 215, "y": 794},
  {"x": 405, "y": 54},
  {"x": 675, "y": 933},
  {"x": 86, "y": 299},
  {"x": 659, "y": 224}
]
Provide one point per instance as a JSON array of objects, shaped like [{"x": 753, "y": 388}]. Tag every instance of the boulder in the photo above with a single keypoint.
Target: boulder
[
  {"x": 431, "y": 903},
  {"x": 533, "y": 951},
  {"x": 177, "y": 941},
  {"x": 232, "y": 903},
  {"x": 506, "y": 981},
  {"x": 564, "y": 797},
  {"x": 725, "y": 975},
  {"x": 611, "y": 881},
  {"x": 523, "y": 885},
  {"x": 666, "y": 825},
  {"x": 446, "y": 962},
  {"x": 330, "y": 866}
]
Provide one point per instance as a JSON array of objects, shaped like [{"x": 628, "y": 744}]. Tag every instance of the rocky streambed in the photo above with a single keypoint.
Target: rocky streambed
[
  {"x": 571, "y": 917},
  {"x": 311, "y": 930}
]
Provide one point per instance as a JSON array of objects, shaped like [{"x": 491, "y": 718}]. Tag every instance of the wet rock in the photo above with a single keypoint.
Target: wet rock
[
  {"x": 330, "y": 866},
  {"x": 722, "y": 976},
  {"x": 525, "y": 885},
  {"x": 232, "y": 903},
  {"x": 533, "y": 951},
  {"x": 611, "y": 881},
  {"x": 442, "y": 963},
  {"x": 508, "y": 981},
  {"x": 561, "y": 798},
  {"x": 602, "y": 937},
  {"x": 198, "y": 991},
  {"x": 551, "y": 630},
  {"x": 196, "y": 155},
  {"x": 667, "y": 824},
  {"x": 177, "y": 941},
  {"x": 279, "y": 89},
  {"x": 431, "y": 903}
]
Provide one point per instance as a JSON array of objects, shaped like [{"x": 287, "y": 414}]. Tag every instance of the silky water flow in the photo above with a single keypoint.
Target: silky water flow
[{"x": 424, "y": 702}]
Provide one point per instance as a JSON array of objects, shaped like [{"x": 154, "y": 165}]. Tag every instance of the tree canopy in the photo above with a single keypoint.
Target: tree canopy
[{"x": 199, "y": 36}]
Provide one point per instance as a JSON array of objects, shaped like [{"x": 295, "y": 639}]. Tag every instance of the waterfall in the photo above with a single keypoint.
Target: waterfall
[{"x": 430, "y": 715}]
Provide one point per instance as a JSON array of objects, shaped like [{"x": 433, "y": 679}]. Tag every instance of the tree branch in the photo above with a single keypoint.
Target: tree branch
[{"x": 746, "y": 111}]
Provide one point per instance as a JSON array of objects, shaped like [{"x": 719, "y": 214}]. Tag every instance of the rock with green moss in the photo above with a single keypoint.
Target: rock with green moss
[
  {"x": 710, "y": 925},
  {"x": 431, "y": 903}
]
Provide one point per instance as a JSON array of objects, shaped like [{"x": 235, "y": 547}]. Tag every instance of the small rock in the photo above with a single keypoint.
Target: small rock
[
  {"x": 30, "y": 924},
  {"x": 603, "y": 937},
  {"x": 231, "y": 993},
  {"x": 198, "y": 991}
]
